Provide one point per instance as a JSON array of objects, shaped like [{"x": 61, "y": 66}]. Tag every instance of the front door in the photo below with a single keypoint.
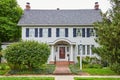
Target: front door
[{"x": 62, "y": 53}]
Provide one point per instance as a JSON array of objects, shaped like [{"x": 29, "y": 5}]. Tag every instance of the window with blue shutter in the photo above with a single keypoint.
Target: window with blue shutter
[
  {"x": 49, "y": 32},
  {"x": 27, "y": 32},
  {"x": 88, "y": 32},
  {"x": 66, "y": 32},
  {"x": 83, "y": 32},
  {"x": 57, "y": 32},
  {"x": 36, "y": 32},
  {"x": 74, "y": 32},
  {"x": 40, "y": 32}
]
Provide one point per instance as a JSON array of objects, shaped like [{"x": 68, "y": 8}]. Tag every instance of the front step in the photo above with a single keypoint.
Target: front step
[{"x": 62, "y": 68}]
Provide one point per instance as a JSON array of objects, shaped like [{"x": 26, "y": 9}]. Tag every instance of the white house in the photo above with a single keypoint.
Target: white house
[{"x": 63, "y": 30}]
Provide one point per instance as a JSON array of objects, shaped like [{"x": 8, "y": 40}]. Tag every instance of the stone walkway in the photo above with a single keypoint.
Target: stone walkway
[{"x": 62, "y": 68}]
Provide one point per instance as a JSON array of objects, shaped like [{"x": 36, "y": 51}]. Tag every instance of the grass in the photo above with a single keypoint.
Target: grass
[
  {"x": 92, "y": 71},
  {"x": 76, "y": 78},
  {"x": 27, "y": 78},
  {"x": 101, "y": 71}
]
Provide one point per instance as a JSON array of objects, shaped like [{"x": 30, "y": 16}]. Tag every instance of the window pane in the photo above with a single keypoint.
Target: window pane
[
  {"x": 45, "y": 32},
  {"x": 83, "y": 49},
  {"x": 31, "y": 32},
  {"x": 62, "y": 32},
  {"x": 88, "y": 49},
  {"x": 79, "y": 32}
]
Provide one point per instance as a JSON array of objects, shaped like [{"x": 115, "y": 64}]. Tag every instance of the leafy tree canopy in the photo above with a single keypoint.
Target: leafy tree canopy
[
  {"x": 108, "y": 32},
  {"x": 10, "y": 13}
]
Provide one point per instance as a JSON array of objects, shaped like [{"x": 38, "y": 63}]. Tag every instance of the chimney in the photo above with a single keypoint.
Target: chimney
[
  {"x": 27, "y": 6},
  {"x": 58, "y": 8},
  {"x": 96, "y": 6}
]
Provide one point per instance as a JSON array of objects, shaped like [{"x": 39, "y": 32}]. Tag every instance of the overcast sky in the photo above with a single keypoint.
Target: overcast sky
[{"x": 65, "y": 4}]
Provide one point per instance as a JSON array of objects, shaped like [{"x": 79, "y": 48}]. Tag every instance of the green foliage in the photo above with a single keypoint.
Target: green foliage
[
  {"x": 27, "y": 55},
  {"x": 116, "y": 67},
  {"x": 108, "y": 32},
  {"x": 4, "y": 66},
  {"x": 90, "y": 62},
  {"x": 48, "y": 69},
  {"x": 27, "y": 78},
  {"x": 77, "y": 78},
  {"x": 10, "y": 13}
]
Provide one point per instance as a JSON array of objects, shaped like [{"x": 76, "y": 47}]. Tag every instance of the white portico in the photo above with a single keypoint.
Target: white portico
[{"x": 62, "y": 50}]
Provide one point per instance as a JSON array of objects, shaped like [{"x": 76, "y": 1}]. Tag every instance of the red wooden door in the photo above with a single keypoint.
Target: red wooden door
[{"x": 62, "y": 53}]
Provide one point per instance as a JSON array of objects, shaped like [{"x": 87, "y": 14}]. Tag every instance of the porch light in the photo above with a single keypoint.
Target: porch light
[{"x": 80, "y": 46}]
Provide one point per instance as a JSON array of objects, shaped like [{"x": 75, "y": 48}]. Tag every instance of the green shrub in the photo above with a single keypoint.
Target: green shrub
[
  {"x": 116, "y": 67},
  {"x": 4, "y": 66},
  {"x": 27, "y": 55}
]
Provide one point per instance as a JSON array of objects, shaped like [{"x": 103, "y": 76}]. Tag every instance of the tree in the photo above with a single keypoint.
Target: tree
[
  {"x": 10, "y": 13},
  {"x": 108, "y": 32},
  {"x": 27, "y": 54}
]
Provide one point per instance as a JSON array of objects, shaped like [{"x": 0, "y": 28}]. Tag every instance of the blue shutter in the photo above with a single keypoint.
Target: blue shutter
[
  {"x": 27, "y": 32},
  {"x": 49, "y": 32},
  {"x": 57, "y": 32},
  {"x": 74, "y": 32},
  {"x": 36, "y": 32},
  {"x": 83, "y": 32},
  {"x": 40, "y": 32},
  {"x": 66, "y": 32},
  {"x": 88, "y": 32}
]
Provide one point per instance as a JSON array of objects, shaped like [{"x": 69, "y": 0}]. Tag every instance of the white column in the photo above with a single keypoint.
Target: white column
[
  {"x": 52, "y": 53},
  {"x": 71, "y": 53}
]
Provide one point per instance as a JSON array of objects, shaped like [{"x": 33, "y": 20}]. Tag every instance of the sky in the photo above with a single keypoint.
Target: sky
[{"x": 65, "y": 4}]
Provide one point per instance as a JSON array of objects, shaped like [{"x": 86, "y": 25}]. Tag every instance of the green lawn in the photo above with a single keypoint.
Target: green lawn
[
  {"x": 27, "y": 78},
  {"x": 96, "y": 78},
  {"x": 101, "y": 71},
  {"x": 92, "y": 71}
]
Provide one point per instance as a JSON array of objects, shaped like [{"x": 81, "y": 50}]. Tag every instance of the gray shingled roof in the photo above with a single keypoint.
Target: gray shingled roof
[{"x": 60, "y": 17}]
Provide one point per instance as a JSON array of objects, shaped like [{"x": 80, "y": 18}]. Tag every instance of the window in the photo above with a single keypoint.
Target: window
[
  {"x": 45, "y": 32},
  {"x": 92, "y": 32},
  {"x": 62, "y": 32},
  {"x": 36, "y": 32},
  {"x": 79, "y": 32},
  {"x": 88, "y": 49},
  {"x": 56, "y": 49},
  {"x": 40, "y": 32},
  {"x": 31, "y": 32},
  {"x": 27, "y": 32},
  {"x": 83, "y": 49}
]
